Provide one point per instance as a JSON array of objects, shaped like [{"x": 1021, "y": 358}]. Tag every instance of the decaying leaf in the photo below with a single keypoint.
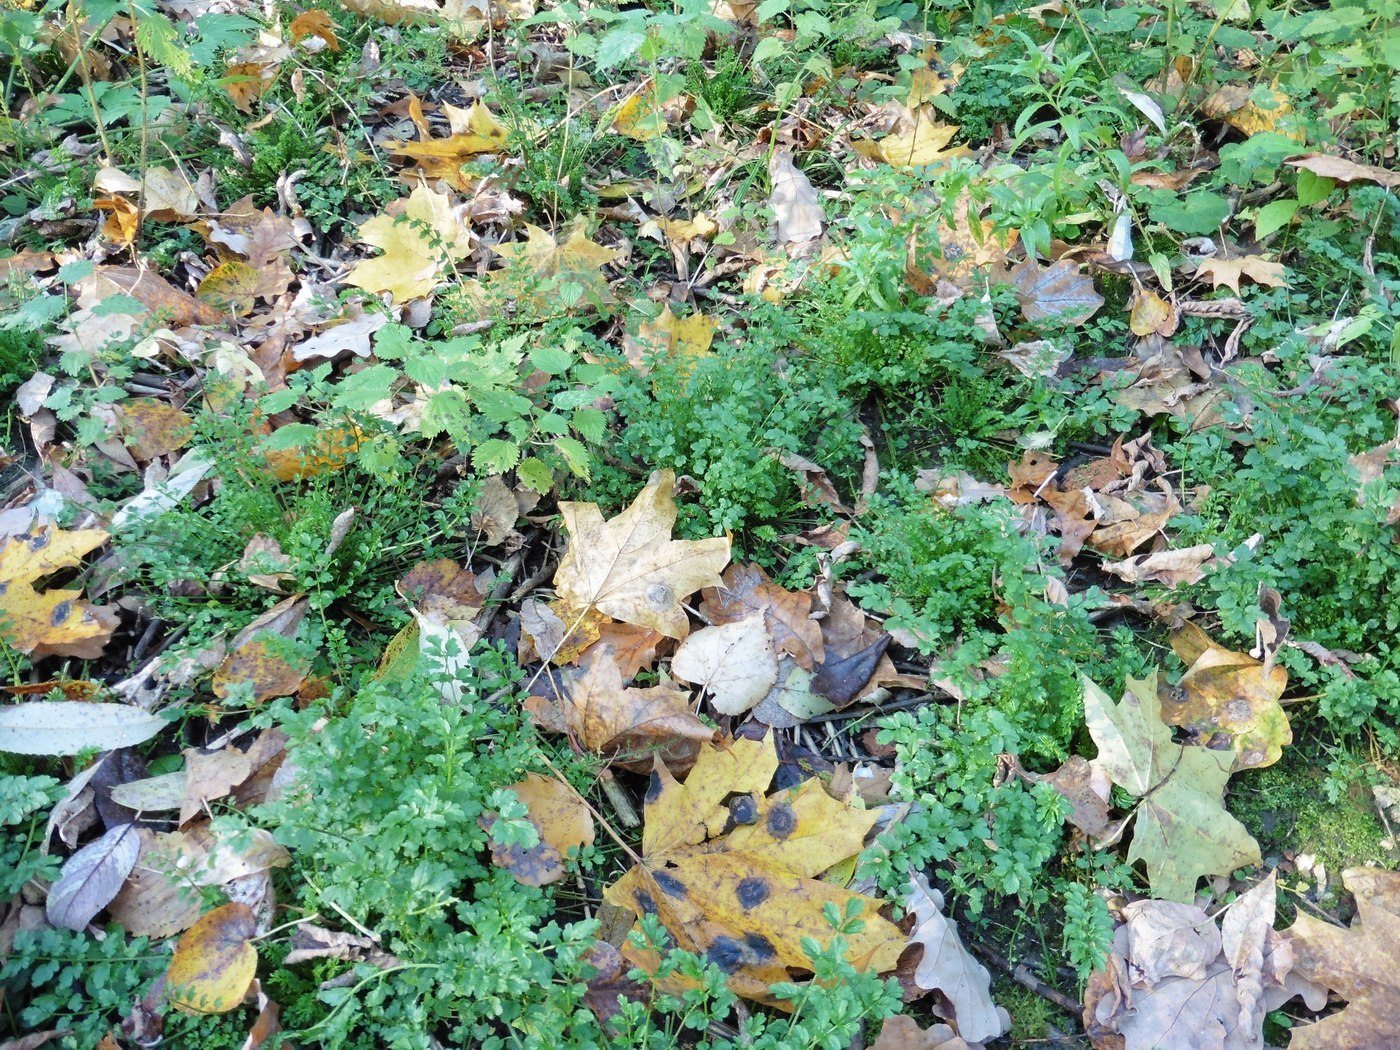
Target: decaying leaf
[
  {"x": 1226, "y": 272},
  {"x": 1176, "y": 981},
  {"x": 630, "y": 726},
  {"x": 214, "y": 961},
  {"x": 747, "y": 900},
  {"x": 1359, "y": 964},
  {"x": 259, "y": 655},
  {"x": 1181, "y": 829},
  {"x": 787, "y": 614},
  {"x": 629, "y": 567},
  {"x": 54, "y": 622},
  {"x": 66, "y": 727},
  {"x": 794, "y": 200},
  {"x": 1058, "y": 290},
  {"x": 919, "y": 140},
  {"x": 91, "y": 878},
  {"x": 948, "y": 968},
  {"x": 1340, "y": 169},
  {"x": 1228, "y": 700},
  {"x": 562, "y": 821}
]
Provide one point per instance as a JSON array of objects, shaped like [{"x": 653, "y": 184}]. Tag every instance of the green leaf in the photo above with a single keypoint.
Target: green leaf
[
  {"x": 1181, "y": 829},
  {"x": 576, "y": 455},
  {"x": 495, "y": 456},
  {"x": 552, "y": 359},
  {"x": 535, "y": 475},
  {"x": 617, "y": 46},
  {"x": 1312, "y": 188},
  {"x": 1275, "y": 216},
  {"x": 1199, "y": 213},
  {"x": 367, "y": 387}
]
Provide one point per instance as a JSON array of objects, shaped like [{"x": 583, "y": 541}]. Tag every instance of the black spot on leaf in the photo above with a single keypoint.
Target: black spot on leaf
[
  {"x": 726, "y": 953},
  {"x": 744, "y": 810},
  {"x": 646, "y": 902},
  {"x": 60, "y": 613},
  {"x": 760, "y": 947},
  {"x": 672, "y": 886},
  {"x": 653, "y": 788},
  {"x": 781, "y": 821},
  {"x": 752, "y": 892}
]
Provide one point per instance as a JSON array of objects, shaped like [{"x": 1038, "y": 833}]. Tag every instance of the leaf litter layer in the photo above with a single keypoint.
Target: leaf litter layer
[{"x": 767, "y": 428}]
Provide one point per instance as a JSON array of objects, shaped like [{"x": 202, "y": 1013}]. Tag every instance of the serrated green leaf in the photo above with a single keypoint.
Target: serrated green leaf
[
  {"x": 576, "y": 455},
  {"x": 535, "y": 475},
  {"x": 495, "y": 456}
]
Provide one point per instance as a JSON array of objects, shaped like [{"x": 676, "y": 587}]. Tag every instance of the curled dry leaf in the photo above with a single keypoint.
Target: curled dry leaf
[
  {"x": 53, "y": 622},
  {"x": 214, "y": 962},
  {"x": 1228, "y": 700},
  {"x": 1171, "y": 568},
  {"x": 1340, "y": 169},
  {"x": 629, "y": 568},
  {"x": 734, "y": 663},
  {"x": 629, "y": 726},
  {"x": 948, "y": 968}
]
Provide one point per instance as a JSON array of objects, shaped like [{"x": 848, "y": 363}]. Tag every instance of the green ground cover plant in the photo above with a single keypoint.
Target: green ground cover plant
[{"x": 816, "y": 523}]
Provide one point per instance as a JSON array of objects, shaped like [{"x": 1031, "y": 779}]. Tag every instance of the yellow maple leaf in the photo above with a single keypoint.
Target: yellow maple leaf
[
  {"x": 920, "y": 141},
  {"x": 629, "y": 567},
  {"x": 420, "y": 236},
  {"x": 748, "y": 899},
  {"x": 1227, "y": 272},
  {"x": 670, "y": 336},
  {"x": 474, "y": 131},
  {"x": 1234, "y": 104},
  {"x": 540, "y": 268},
  {"x": 54, "y": 622}
]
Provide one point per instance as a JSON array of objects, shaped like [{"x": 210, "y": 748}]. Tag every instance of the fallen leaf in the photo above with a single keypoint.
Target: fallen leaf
[
  {"x": 211, "y": 776},
  {"x": 1150, "y": 314},
  {"x": 153, "y": 428},
  {"x": 540, "y": 271},
  {"x": 670, "y": 337},
  {"x": 734, "y": 664},
  {"x": 563, "y": 823},
  {"x": 1170, "y": 567},
  {"x": 902, "y": 1032},
  {"x": 91, "y": 878},
  {"x": 1058, "y": 290},
  {"x": 314, "y": 22},
  {"x": 474, "y": 132},
  {"x": 921, "y": 143},
  {"x": 214, "y": 962},
  {"x": 1181, "y": 829},
  {"x": 1228, "y": 700},
  {"x": 66, "y": 727},
  {"x": 421, "y": 237},
  {"x": 122, "y": 222},
  {"x": 1227, "y": 272},
  {"x": 630, "y": 726},
  {"x": 1340, "y": 169},
  {"x": 948, "y": 968},
  {"x": 794, "y": 200},
  {"x": 231, "y": 286},
  {"x": 1359, "y": 964},
  {"x": 54, "y": 622},
  {"x": 629, "y": 568},
  {"x": 257, "y": 654},
  {"x": 748, "y": 903},
  {"x": 1234, "y": 104},
  {"x": 747, "y": 589}
]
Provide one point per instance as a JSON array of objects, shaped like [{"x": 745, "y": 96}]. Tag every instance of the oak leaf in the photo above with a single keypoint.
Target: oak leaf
[
  {"x": 1181, "y": 829},
  {"x": 629, "y": 568}
]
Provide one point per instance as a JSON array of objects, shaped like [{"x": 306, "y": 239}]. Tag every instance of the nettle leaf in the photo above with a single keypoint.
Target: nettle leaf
[
  {"x": 1182, "y": 830},
  {"x": 495, "y": 456},
  {"x": 617, "y": 46}
]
